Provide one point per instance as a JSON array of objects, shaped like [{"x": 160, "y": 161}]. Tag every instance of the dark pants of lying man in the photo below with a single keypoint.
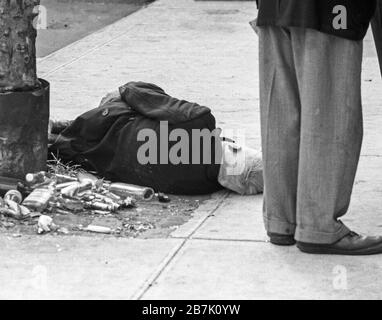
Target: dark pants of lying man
[{"x": 141, "y": 135}]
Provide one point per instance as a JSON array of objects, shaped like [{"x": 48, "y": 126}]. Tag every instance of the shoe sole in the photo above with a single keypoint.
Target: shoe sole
[
  {"x": 282, "y": 243},
  {"x": 364, "y": 252}
]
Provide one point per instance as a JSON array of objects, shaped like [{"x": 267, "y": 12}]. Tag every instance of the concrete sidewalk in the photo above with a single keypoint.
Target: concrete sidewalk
[{"x": 204, "y": 52}]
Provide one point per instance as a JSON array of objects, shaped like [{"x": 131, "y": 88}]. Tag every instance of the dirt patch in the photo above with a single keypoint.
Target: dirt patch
[
  {"x": 71, "y": 20},
  {"x": 150, "y": 219}
]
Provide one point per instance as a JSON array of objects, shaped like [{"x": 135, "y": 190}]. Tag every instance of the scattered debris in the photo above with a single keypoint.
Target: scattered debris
[
  {"x": 125, "y": 190},
  {"x": 163, "y": 198},
  {"x": 139, "y": 227},
  {"x": 12, "y": 209},
  {"x": 46, "y": 224},
  {"x": 14, "y": 195},
  {"x": 97, "y": 229},
  {"x": 7, "y": 225},
  {"x": 38, "y": 200},
  {"x": 34, "y": 178},
  {"x": 49, "y": 200},
  {"x": 16, "y": 235},
  {"x": 63, "y": 230}
]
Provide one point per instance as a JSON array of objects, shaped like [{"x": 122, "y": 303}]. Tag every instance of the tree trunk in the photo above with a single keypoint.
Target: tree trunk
[
  {"x": 18, "y": 45},
  {"x": 24, "y": 99}
]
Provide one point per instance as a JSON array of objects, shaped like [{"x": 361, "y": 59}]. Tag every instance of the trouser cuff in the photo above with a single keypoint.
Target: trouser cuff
[
  {"x": 279, "y": 227},
  {"x": 311, "y": 236}
]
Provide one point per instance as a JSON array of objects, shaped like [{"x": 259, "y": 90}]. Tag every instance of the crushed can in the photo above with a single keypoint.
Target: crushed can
[
  {"x": 14, "y": 195},
  {"x": 127, "y": 190}
]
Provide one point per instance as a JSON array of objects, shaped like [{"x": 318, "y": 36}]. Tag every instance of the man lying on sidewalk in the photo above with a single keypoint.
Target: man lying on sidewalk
[
  {"x": 141, "y": 135},
  {"x": 311, "y": 114}
]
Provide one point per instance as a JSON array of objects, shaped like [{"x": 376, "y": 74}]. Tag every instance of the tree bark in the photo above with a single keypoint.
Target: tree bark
[
  {"x": 24, "y": 100},
  {"x": 18, "y": 45}
]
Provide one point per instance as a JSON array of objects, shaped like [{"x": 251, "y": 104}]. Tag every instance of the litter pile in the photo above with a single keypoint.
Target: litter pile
[{"x": 73, "y": 192}]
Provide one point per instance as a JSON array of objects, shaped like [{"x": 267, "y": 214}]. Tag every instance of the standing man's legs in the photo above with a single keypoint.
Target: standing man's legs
[
  {"x": 311, "y": 121},
  {"x": 329, "y": 76},
  {"x": 311, "y": 118},
  {"x": 280, "y": 121}
]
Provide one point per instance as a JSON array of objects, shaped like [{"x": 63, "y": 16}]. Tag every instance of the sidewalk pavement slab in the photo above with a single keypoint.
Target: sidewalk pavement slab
[
  {"x": 51, "y": 267},
  {"x": 365, "y": 213},
  {"x": 239, "y": 218},
  {"x": 250, "y": 270}
]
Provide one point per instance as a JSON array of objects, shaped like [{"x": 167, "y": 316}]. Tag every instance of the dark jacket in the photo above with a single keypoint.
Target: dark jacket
[
  {"x": 318, "y": 15},
  {"x": 377, "y": 31},
  {"x": 105, "y": 140}
]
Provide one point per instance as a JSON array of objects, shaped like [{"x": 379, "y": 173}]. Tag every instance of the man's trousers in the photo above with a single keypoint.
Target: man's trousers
[{"x": 311, "y": 118}]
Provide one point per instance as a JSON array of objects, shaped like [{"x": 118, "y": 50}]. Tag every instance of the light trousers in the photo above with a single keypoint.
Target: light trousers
[{"x": 312, "y": 129}]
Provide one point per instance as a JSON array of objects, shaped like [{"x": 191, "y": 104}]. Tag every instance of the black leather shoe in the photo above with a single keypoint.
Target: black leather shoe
[
  {"x": 281, "y": 239},
  {"x": 352, "y": 245}
]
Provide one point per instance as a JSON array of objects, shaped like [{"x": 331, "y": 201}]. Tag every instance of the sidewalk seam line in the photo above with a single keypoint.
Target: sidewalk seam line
[
  {"x": 171, "y": 256},
  {"x": 92, "y": 50},
  {"x": 224, "y": 239},
  {"x": 85, "y": 54},
  {"x": 70, "y": 45}
]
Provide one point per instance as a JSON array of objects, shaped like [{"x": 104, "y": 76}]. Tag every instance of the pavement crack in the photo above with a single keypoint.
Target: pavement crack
[
  {"x": 226, "y": 239},
  {"x": 91, "y": 50},
  {"x": 171, "y": 256}
]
